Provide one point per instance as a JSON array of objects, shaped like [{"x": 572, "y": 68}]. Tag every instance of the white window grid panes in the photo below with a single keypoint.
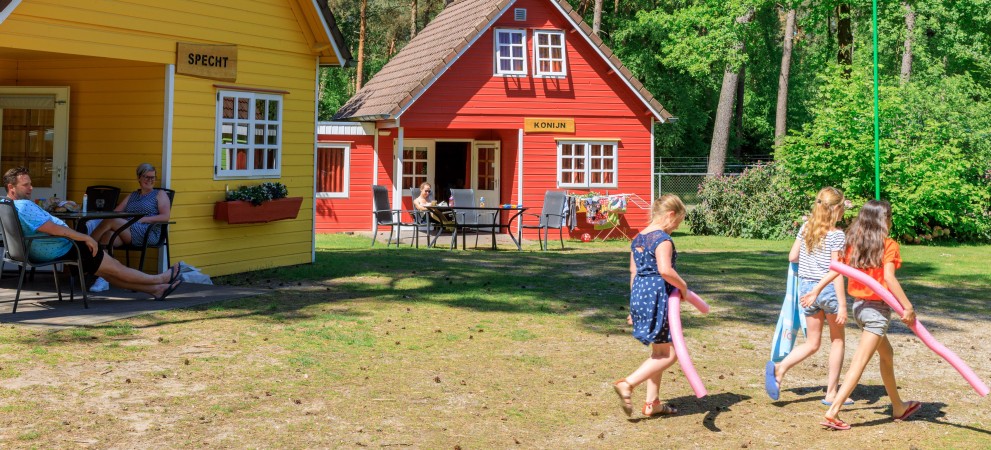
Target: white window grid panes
[
  {"x": 549, "y": 53},
  {"x": 510, "y": 52},
  {"x": 587, "y": 164},
  {"x": 249, "y": 135},
  {"x": 414, "y": 166},
  {"x": 333, "y": 170}
]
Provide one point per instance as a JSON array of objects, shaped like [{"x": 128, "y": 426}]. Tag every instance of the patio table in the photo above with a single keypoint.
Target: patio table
[
  {"x": 476, "y": 217},
  {"x": 80, "y": 218}
]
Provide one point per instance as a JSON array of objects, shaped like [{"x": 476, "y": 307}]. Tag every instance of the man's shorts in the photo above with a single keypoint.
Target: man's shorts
[
  {"x": 872, "y": 316},
  {"x": 90, "y": 263},
  {"x": 826, "y": 302}
]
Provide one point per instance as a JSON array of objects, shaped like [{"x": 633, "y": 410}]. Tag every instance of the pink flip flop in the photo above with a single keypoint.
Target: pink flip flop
[
  {"x": 913, "y": 407},
  {"x": 835, "y": 424}
]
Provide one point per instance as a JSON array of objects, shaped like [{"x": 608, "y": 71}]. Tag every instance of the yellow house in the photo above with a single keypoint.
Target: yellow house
[{"x": 214, "y": 93}]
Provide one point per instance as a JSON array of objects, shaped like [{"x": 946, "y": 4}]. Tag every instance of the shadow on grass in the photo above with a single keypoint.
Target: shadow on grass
[
  {"x": 709, "y": 406},
  {"x": 742, "y": 286}
]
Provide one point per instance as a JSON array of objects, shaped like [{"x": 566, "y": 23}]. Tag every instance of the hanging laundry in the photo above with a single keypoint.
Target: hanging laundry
[{"x": 617, "y": 204}]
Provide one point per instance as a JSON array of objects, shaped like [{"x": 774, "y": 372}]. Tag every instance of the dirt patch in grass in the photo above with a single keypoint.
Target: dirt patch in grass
[{"x": 478, "y": 349}]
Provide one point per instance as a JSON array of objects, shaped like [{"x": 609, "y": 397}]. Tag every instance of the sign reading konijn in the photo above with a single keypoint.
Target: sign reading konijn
[
  {"x": 218, "y": 62},
  {"x": 548, "y": 125}
]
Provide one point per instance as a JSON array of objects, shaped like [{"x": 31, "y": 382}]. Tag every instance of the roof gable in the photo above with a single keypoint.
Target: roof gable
[
  {"x": 314, "y": 17},
  {"x": 395, "y": 88}
]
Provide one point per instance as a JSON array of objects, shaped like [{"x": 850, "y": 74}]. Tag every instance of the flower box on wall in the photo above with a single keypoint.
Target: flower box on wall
[{"x": 240, "y": 211}]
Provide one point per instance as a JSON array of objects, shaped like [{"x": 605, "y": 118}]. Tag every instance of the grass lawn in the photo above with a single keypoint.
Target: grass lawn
[{"x": 433, "y": 348}]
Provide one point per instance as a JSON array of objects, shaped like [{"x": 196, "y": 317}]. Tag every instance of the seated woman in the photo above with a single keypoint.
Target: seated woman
[
  {"x": 147, "y": 200},
  {"x": 423, "y": 201}
]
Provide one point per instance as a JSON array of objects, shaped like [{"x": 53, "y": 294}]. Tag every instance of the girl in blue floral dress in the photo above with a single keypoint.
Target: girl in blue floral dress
[{"x": 652, "y": 279}]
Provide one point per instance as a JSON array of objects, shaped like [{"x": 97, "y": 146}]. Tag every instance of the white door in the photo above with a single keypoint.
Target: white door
[
  {"x": 416, "y": 165},
  {"x": 485, "y": 171},
  {"x": 35, "y": 129}
]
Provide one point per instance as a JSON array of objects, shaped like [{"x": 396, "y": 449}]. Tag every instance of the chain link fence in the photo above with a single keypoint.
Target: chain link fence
[{"x": 682, "y": 176}]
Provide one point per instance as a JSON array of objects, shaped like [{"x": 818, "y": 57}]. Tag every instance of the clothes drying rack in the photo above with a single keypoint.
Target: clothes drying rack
[{"x": 631, "y": 198}]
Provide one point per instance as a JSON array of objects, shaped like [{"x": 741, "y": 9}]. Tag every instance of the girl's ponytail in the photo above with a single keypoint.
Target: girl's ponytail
[{"x": 826, "y": 211}]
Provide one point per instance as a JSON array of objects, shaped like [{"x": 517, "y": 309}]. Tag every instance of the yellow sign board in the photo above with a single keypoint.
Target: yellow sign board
[
  {"x": 548, "y": 125},
  {"x": 218, "y": 62}
]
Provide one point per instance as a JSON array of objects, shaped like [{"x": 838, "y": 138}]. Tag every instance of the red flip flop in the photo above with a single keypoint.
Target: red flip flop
[
  {"x": 835, "y": 424},
  {"x": 913, "y": 407}
]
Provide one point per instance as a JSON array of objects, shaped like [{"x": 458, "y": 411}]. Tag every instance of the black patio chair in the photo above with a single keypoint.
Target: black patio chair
[
  {"x": 161, "y": 242},
  {"x": 101, "y": 198},
  {"x": 17, "y": 248},
  {"x": 384, "y": 215},
  {"x": 551, "y": 216}
]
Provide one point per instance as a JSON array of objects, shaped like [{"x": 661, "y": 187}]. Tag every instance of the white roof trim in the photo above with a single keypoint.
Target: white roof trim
[
  {"x": 10, "y": 9},
  {"x": 456, "y": 58},
  {"x": 615, "y": 69},
  {"x": 326, "y": 30}
]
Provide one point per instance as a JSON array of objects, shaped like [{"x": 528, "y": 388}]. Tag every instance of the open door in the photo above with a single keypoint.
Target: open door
[
  {"x": 485, "y": 171},
  {"x": 35, "y": 133}
]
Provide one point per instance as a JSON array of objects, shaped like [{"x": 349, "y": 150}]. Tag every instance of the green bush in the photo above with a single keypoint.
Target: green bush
[
  {"x": 935, "y": 152},
  {"x": 259, "y": 193},
  {"x": 754, "y": 204}
]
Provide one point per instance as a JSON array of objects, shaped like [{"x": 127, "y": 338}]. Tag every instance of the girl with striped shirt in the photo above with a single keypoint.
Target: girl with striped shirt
[{"x": 818, "y": 243}]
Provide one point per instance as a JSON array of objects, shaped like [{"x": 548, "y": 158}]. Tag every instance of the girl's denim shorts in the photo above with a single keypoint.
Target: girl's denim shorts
[{"x": 826, "y": 302}]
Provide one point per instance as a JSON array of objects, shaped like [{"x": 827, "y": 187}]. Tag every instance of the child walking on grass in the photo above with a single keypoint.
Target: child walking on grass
[
  {"x": 652, "y": 279},
  {"x": 819, "y": 242},
  {"x": 870, "y": 250}
]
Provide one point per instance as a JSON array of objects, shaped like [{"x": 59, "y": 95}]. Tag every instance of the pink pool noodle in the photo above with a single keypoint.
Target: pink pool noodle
[
  {"x": 917, "y": 327},
  {"x": 678, "y": 338}
]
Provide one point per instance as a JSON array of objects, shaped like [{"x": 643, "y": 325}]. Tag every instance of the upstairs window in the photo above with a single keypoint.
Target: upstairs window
[
  {"x": 548, "y": 53},
  {"x": 510, "y": 52},
  {"x": 249, "y": 135}
]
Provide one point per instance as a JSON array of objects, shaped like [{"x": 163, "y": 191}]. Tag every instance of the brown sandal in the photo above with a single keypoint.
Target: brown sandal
[
  {"x": 651, "y": 409},
  {"x": 624, "y": 397}
]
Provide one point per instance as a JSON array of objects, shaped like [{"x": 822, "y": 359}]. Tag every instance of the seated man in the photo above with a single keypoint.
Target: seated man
[{"x": 35, "y": 220}]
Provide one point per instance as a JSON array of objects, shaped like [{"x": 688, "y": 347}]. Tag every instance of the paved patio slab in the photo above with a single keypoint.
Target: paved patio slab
[{"x": 39, "y": 306}]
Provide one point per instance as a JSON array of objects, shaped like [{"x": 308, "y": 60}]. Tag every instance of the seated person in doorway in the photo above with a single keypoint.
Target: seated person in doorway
[
  {"x": 35, "y": 220},
  {"x": 423, "y": 201},
  {"x": 154, "y": 203}
]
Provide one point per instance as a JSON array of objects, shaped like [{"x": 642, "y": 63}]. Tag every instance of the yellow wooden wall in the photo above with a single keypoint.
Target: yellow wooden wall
[
  {"x": 8, "y": 71},
  {"x": 133, "y": 40}
]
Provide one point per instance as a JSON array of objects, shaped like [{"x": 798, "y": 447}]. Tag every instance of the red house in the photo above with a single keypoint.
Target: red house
[{"x": 508, "y": 97}]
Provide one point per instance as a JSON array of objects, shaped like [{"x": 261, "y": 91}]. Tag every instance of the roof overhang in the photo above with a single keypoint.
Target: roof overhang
[
  {"x": 6, "y": 7},
  {"x": 330, "y": 43}
]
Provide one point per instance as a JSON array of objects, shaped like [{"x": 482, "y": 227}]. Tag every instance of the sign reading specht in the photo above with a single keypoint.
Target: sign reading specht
[{"x": 218, "y": 62}]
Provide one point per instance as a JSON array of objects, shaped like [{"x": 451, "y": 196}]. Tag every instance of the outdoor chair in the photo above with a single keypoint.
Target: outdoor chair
[
  {"x": 468, "y": 220},
  {"x": 102, "y": 198},
  {"x": 384, "y": 215},
  {"x": 17, "y": 247},
  {"x": 161, "y": 242},
  {"x": 551, "y": 216}
]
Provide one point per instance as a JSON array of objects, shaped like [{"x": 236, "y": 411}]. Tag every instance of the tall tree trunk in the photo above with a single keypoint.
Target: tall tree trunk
[
  {"x": 741, "y": 85},
  {"x": 781, "y": 113},
  {"x": 844, "y": 37},
  {"x": 615, "y": 7},
  {"x": 724, "y": 110},
  {"x": 412, "y": 20},
  {"x": 597, "y": 17},
  {"x": 362, "y": 22},
  {"x": 909, "y": 33}
]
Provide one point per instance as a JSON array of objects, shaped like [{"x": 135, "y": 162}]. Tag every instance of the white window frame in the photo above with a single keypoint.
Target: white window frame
[
  {"x": 497, "y": 58},
  {"x": 347, "y": 170},
  {"x": 587, "y": 164},
  {"x": 537, "y": 73},
  {"x": 221, "y": 163}
]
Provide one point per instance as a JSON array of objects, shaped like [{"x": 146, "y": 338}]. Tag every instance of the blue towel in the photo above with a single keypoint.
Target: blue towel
[{"x": 790, "y": 320}]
